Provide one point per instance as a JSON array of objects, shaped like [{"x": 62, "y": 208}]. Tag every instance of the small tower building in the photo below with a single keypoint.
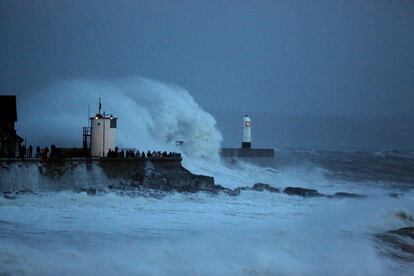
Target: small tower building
[
  {"x": 247, "y": 133},
  {"x": 103, "y": 133}
]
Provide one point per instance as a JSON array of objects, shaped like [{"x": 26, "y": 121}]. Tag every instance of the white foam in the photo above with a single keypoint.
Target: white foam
[
  {"x": 255, "y": 233},
  {"x": 200, "y": 234}
]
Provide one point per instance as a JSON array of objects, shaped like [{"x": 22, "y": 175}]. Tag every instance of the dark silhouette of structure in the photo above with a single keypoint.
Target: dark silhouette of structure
[{"x": 10, "y": 142}]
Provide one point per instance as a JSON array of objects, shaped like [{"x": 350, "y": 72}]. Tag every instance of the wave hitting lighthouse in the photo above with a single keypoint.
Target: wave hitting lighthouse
[
  {"x": 103, "y": 133},
  {"x": 246, "y": 150}
]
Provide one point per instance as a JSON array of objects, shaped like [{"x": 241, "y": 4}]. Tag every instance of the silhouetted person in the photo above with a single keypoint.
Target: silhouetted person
[
  {"x": 37, "y": 152},
  {"x": 122, "y": 154},
  {"x": 149, "y": 154},
  {"x": 22, "y": 152},
  {"x": 143, "y": 155},
  {"x": 52, "y": 151},
  {"x": 45, "y": 152},
  {"x": 30, "y": 152}
]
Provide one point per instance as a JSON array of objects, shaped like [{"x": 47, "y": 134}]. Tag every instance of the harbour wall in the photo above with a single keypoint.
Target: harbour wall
[
  {"x": 247, "y": 153},
  {"x": 166, "y": 174}
]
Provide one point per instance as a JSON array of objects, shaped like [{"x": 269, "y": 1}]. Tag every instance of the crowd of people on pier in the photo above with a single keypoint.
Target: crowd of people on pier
[
  {"x": 116, "y": 153},
  {"x": 27, "y": 152},
  {"x": 45, "y": 153}
]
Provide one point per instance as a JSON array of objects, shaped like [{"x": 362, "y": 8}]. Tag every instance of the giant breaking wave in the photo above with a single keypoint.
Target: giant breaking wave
[{"x": 152, "y": 115}]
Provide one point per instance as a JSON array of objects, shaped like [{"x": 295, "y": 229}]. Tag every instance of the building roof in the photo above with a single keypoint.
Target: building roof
[{"x": 8, "y": 111}]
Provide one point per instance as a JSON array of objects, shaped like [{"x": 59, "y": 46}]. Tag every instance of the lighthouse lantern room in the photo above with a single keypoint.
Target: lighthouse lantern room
[{"x": 103, "y": 133}]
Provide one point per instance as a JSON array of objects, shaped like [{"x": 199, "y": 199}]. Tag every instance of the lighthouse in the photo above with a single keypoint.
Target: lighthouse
[
  {"x": 103, "y": 133},
  {"x": 246, "y": 151},
  {"x": 247, "y": 133}
]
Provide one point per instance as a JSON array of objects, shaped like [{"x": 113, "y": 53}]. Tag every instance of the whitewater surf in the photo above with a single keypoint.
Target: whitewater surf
[{"x": 253, "y": 233}]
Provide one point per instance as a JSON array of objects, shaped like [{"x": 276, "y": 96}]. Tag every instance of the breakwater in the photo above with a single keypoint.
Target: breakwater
[{"x": 82, "y": 173}]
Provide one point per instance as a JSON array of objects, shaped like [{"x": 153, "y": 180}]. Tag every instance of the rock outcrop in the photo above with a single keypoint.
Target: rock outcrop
[
  {"x": 132, "y": 175},
  {"x": 301, "y": 192},
  {"x": 163, "y": 175},
  {"x": 295, "y": 191},
  {"x": 261, "y": 187},
  {"x": 345, "y": 195},
  {"x": 400, "y": 243}
]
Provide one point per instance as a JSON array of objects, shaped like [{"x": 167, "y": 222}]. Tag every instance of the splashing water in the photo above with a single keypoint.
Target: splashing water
[
  {"x": 152, "y": 115},
  {"x": 186, "y": 234}
]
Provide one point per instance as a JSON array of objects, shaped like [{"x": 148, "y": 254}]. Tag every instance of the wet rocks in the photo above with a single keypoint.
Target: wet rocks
[
  {"x": 130, "y": 191},
  {"x": 258, "y": 187},
  {"x": 243, "y": 188},
  {"x": 180, "y": 183},
  {"x": 13, "y": 195},
  {"x": 9, "y": 195},
  {"x": 228, "y": 191},
  {"x": 160, "y": 175},
  {"x": 404, "y": 232},
  {"x": 298, "y": 191},
  {"x": 261, "y": 187},
  {"x": 89, "y": 191},
  {"x": 404, "y": 217},
  {"x": 345, "y": 195},
  {"x": 400, "y": 243},
  {"x": 293, "y": 191},
  {"x": 24, "y": 192}
]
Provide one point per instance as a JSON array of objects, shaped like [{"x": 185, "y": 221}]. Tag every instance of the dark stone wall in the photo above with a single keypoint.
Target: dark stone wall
[{"x": 36, "y": 175}]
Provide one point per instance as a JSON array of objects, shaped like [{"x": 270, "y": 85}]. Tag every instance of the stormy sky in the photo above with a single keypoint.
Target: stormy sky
[{"x": 312, "y": 74}]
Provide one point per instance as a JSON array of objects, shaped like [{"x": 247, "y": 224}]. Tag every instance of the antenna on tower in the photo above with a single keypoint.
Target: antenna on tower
[
  {"x": 100, "y": 105},
  {"x": 89, "y": 112}
]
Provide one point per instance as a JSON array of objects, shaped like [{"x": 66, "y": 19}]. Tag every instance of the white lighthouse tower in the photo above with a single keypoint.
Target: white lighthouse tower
[
  {"x": 247, "y": 133},
  {"x": 103, "y": 133}
]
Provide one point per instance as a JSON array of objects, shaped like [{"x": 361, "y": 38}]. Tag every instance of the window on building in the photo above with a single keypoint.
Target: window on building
[{"x": 113, "y": 123}]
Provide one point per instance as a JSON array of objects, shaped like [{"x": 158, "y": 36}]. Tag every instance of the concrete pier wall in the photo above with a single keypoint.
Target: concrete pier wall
[
  {"x": 75, "y": 174},
  {"x": 247, "y": 153}
]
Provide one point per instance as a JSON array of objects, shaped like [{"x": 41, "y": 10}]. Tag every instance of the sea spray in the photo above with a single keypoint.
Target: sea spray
[
  {"x": 252, "y": 234},
  {"x": 152, "y": 115}
]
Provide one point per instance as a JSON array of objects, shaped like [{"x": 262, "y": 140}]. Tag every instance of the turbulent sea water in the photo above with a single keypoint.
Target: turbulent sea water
[{"x": 255, "y": 233}]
